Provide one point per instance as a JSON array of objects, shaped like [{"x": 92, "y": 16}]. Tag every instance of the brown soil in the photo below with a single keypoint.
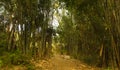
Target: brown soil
[
  {"x": 63, "y": 62},
  {"x": 58, "y": 62}
]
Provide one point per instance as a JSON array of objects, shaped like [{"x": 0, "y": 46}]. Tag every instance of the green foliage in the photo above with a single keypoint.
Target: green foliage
[
  {"x": 3, "y": 37},
  {"x": 27, "y": 33},
  {"x": 108, "y": 68},
  {"x": 17, "y": 59},
  {"x": 30, "y": 20},
  {"x": 30, "y": 67},
  {"x": 14, "y": 59},
  {"x": 1, "y": 63},
  {"x": 93, "y": 26}
]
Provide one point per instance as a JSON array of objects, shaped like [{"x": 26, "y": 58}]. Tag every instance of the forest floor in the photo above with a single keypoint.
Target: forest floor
[
  {"x": 57, "y": 62},
  {"x": 63, "y": 62}
]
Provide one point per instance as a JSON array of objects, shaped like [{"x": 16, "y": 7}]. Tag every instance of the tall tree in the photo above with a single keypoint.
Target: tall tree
[{"x": 28, "y": 27}]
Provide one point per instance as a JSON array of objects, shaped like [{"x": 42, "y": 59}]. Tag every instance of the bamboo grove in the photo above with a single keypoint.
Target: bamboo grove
[
  {"x": 28, "y": 26},
  {"x": 90, "y": 30}
]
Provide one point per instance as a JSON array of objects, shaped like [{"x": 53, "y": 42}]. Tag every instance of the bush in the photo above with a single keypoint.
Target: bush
[
  {"x": 6, "y": 60},
  {"x": 17, "y": 58},
  {"x": 30, "y": 67},
  {"x": 14, "y": 58},
  {"x": 1, "y": 63},
  {"x": 89, "y": 59}
]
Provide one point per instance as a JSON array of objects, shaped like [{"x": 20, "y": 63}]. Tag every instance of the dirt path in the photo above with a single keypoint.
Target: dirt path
[
  {"x": 58, "y": 62},
  {"x": 63, "y": 62}
]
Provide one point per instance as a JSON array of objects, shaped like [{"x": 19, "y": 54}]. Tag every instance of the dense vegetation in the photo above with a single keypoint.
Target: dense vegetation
[{"x": 88, "y": 30}]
